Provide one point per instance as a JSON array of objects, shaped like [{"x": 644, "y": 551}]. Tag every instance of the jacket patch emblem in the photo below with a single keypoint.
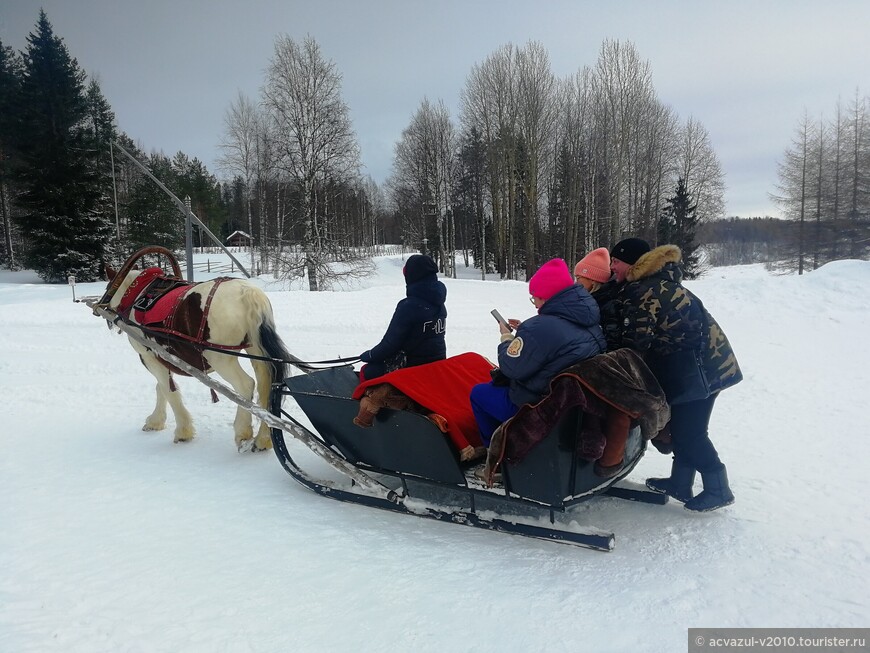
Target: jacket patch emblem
[{"x": 515, "y": 348}]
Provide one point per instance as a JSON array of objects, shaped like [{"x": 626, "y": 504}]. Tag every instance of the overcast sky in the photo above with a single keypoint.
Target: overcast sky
[{"x": 746, "y": 70}]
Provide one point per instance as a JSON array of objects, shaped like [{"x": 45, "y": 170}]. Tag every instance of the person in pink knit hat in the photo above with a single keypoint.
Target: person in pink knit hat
[
  {"x": 565, "y": 331},
  {"x": 593, "y": 273},
  {"x": 593, "y": 270}
]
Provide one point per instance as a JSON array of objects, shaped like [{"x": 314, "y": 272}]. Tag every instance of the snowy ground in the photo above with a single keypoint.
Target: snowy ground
[{"x": 115, "y": 540}]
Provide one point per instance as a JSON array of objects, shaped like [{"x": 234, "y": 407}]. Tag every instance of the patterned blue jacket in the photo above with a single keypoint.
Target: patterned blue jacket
[{"x": 565, "y": 331}]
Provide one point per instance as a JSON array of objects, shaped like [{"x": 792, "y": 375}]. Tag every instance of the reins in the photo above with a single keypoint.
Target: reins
[
  {"x": 195, "y": 341},
  {"x": 233, "y": 350}
]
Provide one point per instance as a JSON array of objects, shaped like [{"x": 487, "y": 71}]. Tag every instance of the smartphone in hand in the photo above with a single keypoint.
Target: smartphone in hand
[{"x": 501, "y": 320}]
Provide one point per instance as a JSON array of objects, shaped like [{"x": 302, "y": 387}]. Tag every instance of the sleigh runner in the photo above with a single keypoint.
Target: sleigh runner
[{"x": 405, "y": 463}]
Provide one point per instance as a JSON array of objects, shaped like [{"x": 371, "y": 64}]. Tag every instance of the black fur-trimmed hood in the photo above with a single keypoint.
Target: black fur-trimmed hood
[{"x": 654, "y": 261}]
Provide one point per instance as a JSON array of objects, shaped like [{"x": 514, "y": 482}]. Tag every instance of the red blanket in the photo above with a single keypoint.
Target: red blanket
[{"x": 443, "y": 387}]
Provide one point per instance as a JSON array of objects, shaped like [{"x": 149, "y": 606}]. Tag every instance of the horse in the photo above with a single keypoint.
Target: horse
[{"x": 233, "y": 314}]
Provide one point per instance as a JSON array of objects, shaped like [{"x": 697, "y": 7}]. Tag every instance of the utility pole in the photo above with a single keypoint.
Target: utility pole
[
  {"x": 115, "y": 193},
  {"x": 188, "y": 237}
]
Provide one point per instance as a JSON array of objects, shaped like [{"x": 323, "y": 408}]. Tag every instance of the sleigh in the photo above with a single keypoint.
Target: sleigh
[{"x": 422, "y": 470}]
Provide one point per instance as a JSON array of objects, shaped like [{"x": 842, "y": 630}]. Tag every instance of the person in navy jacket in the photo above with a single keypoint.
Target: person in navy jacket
[
  {"x": 416, "y": 332},
  {"x": 565, "y": 331}
]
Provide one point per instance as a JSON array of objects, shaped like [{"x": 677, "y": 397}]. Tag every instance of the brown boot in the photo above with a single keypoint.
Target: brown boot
[
  {"x": 607, "y": 472},
  {"x": 616, "y": 435},
  {"x": 484, "y": 473},
  {"x": 367, "y": 411}
]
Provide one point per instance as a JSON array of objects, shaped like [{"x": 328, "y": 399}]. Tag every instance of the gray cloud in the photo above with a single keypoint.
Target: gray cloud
[{"x": 746, "y": 70}]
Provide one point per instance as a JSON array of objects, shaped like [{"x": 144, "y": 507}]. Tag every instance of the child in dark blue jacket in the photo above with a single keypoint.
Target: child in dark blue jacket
[
  {"x": 565, "y": 331},
  {"x": 416, "y": 333}
]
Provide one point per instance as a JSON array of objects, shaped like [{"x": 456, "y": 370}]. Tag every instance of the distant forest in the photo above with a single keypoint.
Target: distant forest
[
  {"x": 775, "y": 242},
  {"x": 533, "y": 167}
]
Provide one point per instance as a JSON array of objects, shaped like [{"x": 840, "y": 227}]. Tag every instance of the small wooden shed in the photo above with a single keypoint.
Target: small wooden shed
[{"x": 239, "y": 239}]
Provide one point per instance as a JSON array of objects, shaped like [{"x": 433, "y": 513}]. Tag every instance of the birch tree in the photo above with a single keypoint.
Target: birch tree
[
  {"x": 623, "y": 86},
  {"x": 700, "y": 170},
  {"x": 651, "y": 164},
  {"x": 576, "y": 173},
  {"x": 536, "y": 119},
  {"x": 425, "y": 162},
  {"x": 315, "y": 140},
  {"x": 489, "y": 105},
  {"x": 239, "y": 148}
]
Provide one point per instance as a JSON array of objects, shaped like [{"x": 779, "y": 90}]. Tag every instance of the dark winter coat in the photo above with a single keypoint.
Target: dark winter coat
[
  {"x": 417, "y": 327},
  {"x": 565, "y": 331},
  {"x": 607, "y": 297},
  {"x": 657, "y": 316}
]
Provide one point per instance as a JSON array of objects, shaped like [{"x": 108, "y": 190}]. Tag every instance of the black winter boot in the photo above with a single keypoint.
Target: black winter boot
[
  {"x": 716, "y": 493},
  {"x": 678, "y": 485}
]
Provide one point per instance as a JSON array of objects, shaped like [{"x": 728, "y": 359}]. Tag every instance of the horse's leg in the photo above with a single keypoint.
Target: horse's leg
[
  {"x": 228, "y": 367},
  {"x": 156, "y": 421},
  {"x": 263, "y": 372},
  {"x": 241, "y": 312},
  {"x": 184, "y": 430}
]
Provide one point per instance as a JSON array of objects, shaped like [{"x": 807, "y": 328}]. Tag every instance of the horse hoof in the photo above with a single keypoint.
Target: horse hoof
[
  {"x": 185, "y": 436},
  {"x": 184, "y": 433}
]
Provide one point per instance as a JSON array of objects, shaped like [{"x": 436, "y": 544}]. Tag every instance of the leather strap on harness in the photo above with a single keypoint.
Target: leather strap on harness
[{"x": 168, "y": 325}]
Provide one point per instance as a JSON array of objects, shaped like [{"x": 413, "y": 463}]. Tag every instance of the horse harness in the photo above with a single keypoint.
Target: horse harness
[{"x": 154, "y": 300}]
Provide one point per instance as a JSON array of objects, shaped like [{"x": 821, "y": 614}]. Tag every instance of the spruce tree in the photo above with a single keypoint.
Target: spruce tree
[
  {"x": 192, "y": 179},
  {"x": 678, "y": 224},
  {"x": 152, "y": 216},
  {"x": 60, "y": 197},
  {"x": 101, "y": 132}
]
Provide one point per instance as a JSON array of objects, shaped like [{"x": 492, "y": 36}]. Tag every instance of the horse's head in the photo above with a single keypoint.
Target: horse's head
[
  {"x": 115, "y": 288},
  {"x": 114, "y": 283},
  {"x": 108, "y": 271}
]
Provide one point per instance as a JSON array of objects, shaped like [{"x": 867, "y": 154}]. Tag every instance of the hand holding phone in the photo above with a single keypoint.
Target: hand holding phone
[{"x": 501, "y": 320}]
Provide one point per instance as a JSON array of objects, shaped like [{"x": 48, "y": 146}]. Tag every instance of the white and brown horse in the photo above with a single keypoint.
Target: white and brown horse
[{"x": 231, "y": 313}]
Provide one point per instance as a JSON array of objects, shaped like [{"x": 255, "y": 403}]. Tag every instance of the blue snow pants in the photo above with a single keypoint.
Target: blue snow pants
[{"x": 491, "y": 406}]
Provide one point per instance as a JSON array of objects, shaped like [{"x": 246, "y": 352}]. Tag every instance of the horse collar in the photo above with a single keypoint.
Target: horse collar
[{"x": 136, "y": 288}]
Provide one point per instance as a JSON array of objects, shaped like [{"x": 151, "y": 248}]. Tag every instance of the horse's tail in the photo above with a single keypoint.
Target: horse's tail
[
  {"x": 274, "y": 347},
  {"x": 263, "y": 335}
]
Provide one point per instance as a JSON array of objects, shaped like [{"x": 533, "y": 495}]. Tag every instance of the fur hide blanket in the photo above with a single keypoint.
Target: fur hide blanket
[
  {"x": 514, "y": 439},
  {"x": 439, "y": 390},
  {"x": 623, "y": 380},
  {"x": 619, "y": 378}
]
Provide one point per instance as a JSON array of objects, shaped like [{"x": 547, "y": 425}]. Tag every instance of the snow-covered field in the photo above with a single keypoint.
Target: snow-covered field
[{"x": 116, "y": 540}]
